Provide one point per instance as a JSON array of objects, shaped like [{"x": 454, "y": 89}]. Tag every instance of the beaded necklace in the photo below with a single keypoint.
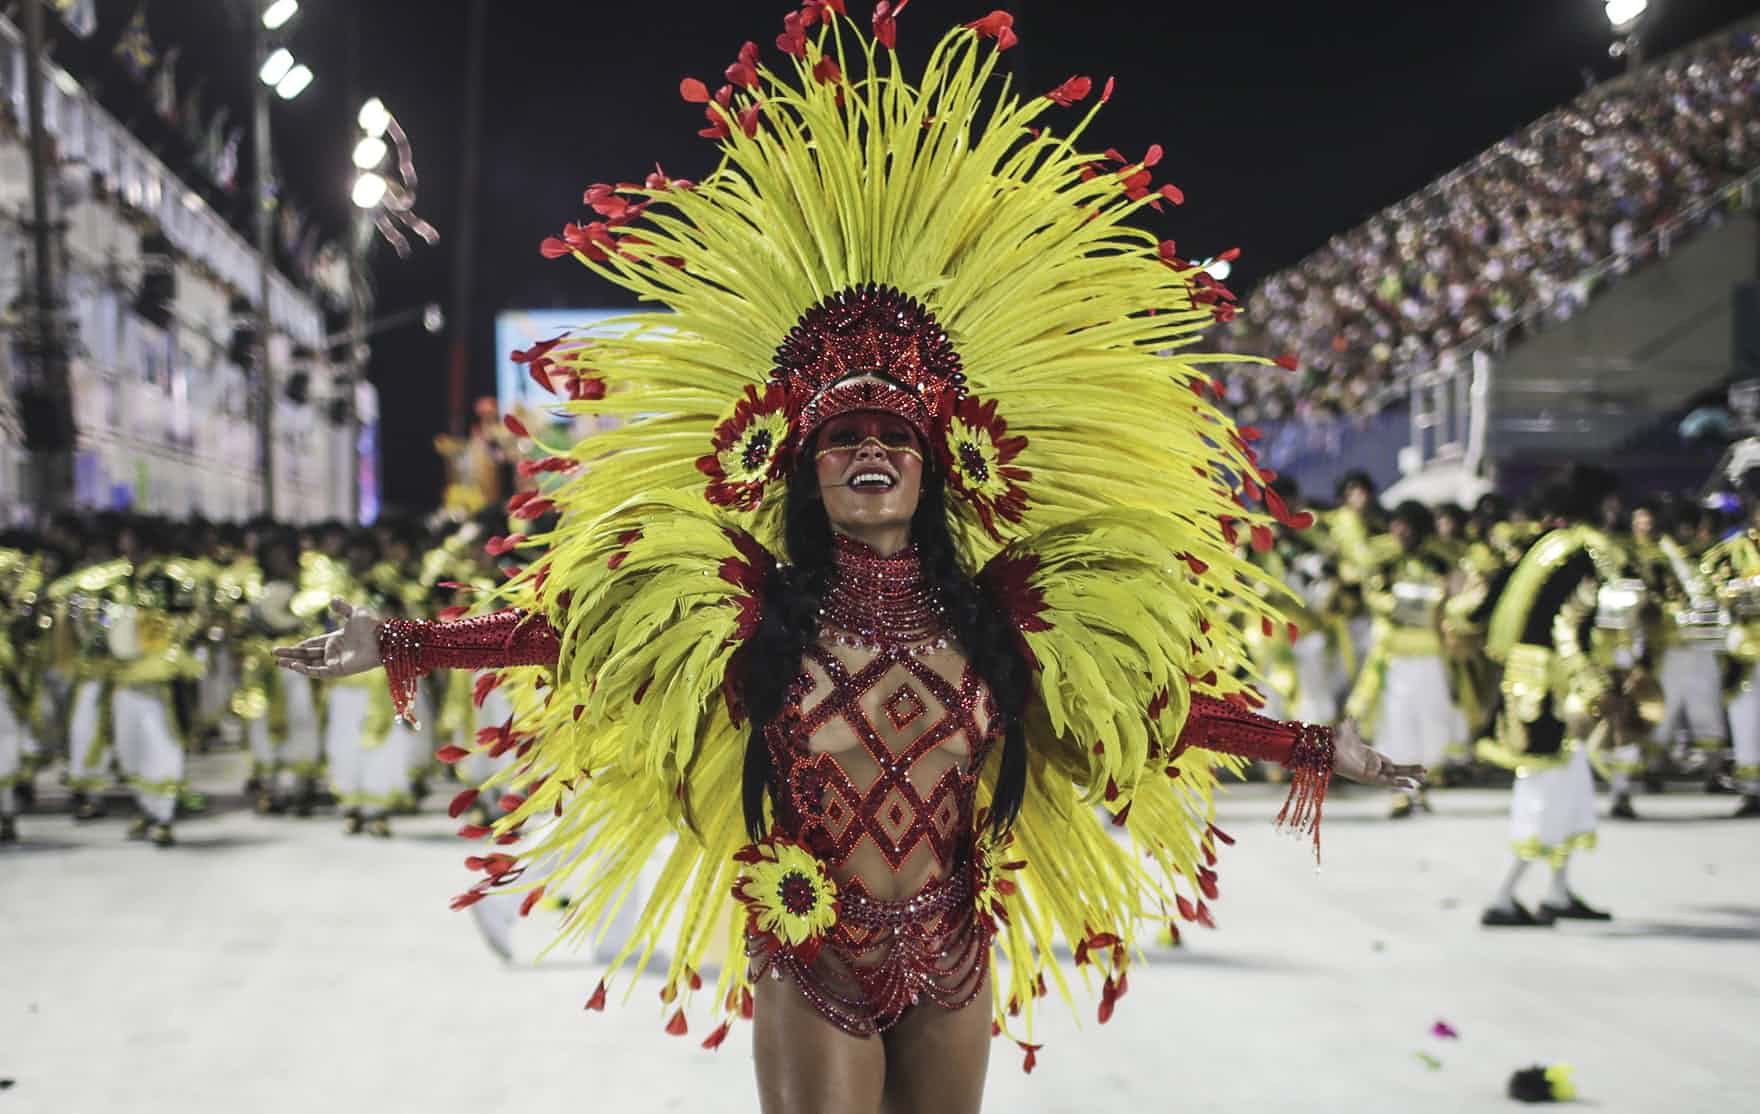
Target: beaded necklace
[{"x": 881, "y": 604}]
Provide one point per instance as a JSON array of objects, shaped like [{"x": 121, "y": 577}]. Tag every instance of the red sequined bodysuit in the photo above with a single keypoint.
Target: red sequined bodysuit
[{"x": 876, "y": 756}]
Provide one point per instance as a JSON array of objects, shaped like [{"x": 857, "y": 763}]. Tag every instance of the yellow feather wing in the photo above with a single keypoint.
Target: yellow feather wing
[
  {"x": 632, "y": 753},
  {"x": 1114, "y": 833}
]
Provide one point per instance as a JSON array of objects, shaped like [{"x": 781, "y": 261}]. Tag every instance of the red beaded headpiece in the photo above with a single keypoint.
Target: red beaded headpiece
[{"x": 868, "y": 348}]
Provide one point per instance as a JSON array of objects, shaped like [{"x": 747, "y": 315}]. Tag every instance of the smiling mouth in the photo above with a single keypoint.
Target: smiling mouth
[{"x": 872, "y": 482}]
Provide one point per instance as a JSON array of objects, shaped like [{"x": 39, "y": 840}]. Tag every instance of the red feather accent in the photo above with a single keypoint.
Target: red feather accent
[{"x": 461, "y": 802}]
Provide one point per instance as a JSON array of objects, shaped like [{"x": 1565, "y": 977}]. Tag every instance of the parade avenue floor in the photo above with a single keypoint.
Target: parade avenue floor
[{"x": 275, "y": 966}]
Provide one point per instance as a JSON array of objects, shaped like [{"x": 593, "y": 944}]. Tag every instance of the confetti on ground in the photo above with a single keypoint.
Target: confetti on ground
[
  {"x": 1430, "y": 1061},
  {"x": 1444, "y": 1030}
]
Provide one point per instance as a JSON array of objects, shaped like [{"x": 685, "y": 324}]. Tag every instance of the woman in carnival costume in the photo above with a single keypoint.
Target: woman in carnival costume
[{"x": 917, "y": 545}]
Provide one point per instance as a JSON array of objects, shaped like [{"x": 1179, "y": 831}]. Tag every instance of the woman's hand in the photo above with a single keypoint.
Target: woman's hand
[
  {"x": 351, "y": 648},
  {"x": 1354, "y": 759}
]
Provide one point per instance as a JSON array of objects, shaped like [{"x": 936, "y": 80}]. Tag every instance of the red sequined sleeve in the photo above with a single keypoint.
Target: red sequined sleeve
[
  {"x": 1305, "y": 748},
  {"x": 412, "y": 649}
]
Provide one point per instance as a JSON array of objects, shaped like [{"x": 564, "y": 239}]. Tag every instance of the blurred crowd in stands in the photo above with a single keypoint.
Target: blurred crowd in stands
[{"x": 1509, "y": 238}]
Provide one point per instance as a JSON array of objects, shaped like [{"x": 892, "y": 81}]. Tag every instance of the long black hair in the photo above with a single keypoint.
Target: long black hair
[{"x": 789, "y": 624}]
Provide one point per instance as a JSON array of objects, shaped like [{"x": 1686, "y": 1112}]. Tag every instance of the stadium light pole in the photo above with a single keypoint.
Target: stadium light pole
[
  {"x": 1625, "y": 17},
  {"x": 384, "y": 195},
  {"x": 278, "y": 72}
]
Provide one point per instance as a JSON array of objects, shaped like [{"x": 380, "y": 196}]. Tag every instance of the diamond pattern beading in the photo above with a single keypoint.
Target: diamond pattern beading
[
  {"x": 904, "y": 706},
  {"x": 891, "y": 812},
  {"x": 894, "y": 815}
]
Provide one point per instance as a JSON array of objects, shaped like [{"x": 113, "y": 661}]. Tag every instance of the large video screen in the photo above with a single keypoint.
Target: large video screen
[{"x": 519, "y": 329}]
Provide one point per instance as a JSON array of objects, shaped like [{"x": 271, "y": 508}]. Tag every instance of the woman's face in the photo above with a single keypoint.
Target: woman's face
[
  {"x": 1643, "y": 524},
  {"x": 870, "y": 469}
]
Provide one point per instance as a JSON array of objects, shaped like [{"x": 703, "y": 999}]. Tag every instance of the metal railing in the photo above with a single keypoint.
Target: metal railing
[{"x": 1451, "y": 403}]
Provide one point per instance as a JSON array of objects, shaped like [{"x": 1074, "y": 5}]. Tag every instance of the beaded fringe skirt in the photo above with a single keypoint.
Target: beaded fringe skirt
[{"x": 884, "y": 957}]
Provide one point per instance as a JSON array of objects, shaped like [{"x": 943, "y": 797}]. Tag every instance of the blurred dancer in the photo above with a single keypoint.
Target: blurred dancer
[
  {"x": 153, "y": 634},
  {"x": 1568, "y": 629},
  {"x": 1349, "y": 532},
  {"x": 225, "y": 566},
  {"x": 1688, "y": 635},
  {"x": 281, "y": 710},
  {"x": 1732, "y": 568},
  {"x": 369, "y": 770},
  {"x": 1402, "y": 698},
  {"x": 20, "y": 578},
  {"x": 44, "y": 688},
  {"x": 80, "y": 603}
]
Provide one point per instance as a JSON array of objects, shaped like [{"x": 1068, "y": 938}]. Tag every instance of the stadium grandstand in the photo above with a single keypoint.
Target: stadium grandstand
[{"x": 1398, "y": 323}]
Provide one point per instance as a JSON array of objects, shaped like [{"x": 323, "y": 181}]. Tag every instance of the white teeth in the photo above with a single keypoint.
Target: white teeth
[{"x": 867, "y": 479}]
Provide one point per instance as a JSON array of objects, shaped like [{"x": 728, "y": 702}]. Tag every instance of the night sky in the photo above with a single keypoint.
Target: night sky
[{"x": 1284, "y": 123}]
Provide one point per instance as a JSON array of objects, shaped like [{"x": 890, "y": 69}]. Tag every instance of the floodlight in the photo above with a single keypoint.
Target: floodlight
[
  {"x": 279, "y": 12},
  {"x": 276, "y": 66},
  {"x": 369, "y": 152},
  {"x": 374, "y": 118},
  {"x": 369, "y": 190},
  {"x": 1623, "y": 14}
]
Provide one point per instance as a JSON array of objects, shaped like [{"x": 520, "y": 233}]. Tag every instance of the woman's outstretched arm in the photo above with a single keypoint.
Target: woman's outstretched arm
[
  {"x": 410, "y": 649},
  {"x": 1311, "y": 752}
]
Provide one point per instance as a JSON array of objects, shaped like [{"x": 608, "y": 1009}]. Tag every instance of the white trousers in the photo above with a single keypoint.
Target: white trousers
[
  {"x": 1418, "y": 720},
  {"x": 365, "y": 778},
  {"x": 50, "y": 717},
  {"x": 1318, "y": 679},
  {"x": 87, "y": 762},
  {"x": 214, "y": 690},
  {"x": 300, "y": 751},
  {"x": 148, "y": 748},
  {"x": 1552, "y": 811},
  {"x": 1692, "y": 697},
  {"x": 1744, "y": 730},
  {"x": 12, "y": 735}
]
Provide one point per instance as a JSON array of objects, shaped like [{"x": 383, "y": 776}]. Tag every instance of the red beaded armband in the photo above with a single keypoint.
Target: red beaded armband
[
  {"x": 400, "y": 652},
  {"x": 412, "y": 649},
  {"x": 1306, "y": 750},
  {"x": 1310, "y": 766}
]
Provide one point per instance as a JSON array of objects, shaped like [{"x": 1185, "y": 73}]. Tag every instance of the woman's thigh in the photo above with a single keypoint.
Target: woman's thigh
[
  {"x": 936, "y": 1058},
  {"x": 807, "y": 1065}
]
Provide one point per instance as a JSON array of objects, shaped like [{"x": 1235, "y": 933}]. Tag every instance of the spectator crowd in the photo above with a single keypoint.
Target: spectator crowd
[{"x": 1512, "y": 237}]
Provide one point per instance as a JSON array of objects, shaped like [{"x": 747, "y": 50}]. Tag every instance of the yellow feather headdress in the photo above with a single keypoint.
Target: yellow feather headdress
[
  {"x": 1076, "y": 386},
  {"x": 1076, "y": 436}
]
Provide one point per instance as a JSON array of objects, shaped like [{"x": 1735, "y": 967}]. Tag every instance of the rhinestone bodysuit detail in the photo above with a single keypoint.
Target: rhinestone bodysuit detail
[{"x": 898, "y": 802}]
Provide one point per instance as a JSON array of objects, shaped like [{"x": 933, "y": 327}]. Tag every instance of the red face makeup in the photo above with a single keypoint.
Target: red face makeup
[{"x": 870, "y": 468}]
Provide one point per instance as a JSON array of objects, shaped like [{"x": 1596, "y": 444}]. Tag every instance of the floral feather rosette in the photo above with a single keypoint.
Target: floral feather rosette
[{"x": 790, "y": 901}]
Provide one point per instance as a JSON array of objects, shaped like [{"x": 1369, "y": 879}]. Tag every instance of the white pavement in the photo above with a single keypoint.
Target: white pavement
[{"x": 274, "y": 966}]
